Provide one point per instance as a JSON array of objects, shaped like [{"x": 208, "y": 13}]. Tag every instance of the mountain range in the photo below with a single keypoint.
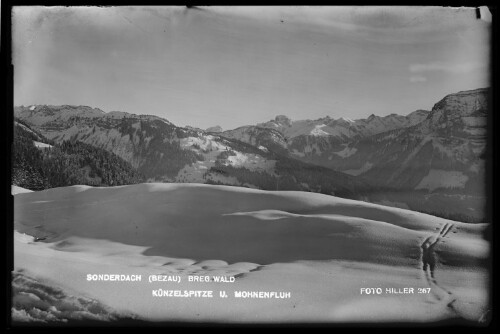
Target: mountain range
[
  {"x": 431, "y": 161},
  {"x": 427, "y": 160}
]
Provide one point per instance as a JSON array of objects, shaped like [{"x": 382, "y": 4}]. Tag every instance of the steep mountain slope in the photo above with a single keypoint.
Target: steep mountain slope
[
  {"x": 259, "y": 137},
  {"x": 144, "y": 141},
  {"x": 38, "y": 163},
  {"x": 164, "y": 152},
  {"x": 27, "y": 159}
]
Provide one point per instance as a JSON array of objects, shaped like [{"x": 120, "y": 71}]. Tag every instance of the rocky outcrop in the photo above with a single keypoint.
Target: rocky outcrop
[{"x": 215, "y": 129}]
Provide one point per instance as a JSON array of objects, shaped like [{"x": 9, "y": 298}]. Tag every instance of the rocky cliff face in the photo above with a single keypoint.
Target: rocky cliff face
[{"x": 463, "y": 115}]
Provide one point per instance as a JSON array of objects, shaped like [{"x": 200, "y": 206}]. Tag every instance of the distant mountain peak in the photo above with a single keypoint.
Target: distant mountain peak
[
  {"x": 283, "y": 120},
  {"x": 345, "y": 119},
  {"x": 216, "y": 128},
  {"x": 463, "y": 100}
]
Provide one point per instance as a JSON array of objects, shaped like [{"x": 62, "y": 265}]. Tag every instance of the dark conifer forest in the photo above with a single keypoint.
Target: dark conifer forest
[{"x": 65, "y": 164}]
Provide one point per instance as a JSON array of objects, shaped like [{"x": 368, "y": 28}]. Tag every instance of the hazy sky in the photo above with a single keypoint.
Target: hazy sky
[{"x": 239, "y": 66}]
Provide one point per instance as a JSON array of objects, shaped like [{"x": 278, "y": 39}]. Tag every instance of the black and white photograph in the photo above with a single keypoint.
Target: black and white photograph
[{"x": 246, "y": 165}]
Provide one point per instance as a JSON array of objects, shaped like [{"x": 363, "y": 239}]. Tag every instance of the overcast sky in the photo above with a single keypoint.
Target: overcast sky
[{"x": 239, "y": 66}]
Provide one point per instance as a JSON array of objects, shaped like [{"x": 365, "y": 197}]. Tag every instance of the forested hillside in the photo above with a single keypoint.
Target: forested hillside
[{"x": 69, "y": 163}]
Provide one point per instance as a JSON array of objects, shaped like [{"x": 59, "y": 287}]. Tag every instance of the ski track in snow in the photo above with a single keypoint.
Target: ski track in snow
[{"x": 429, "y": 260}]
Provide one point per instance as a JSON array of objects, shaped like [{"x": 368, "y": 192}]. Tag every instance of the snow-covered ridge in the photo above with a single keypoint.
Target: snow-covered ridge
[{"x": 343, "y": 127}]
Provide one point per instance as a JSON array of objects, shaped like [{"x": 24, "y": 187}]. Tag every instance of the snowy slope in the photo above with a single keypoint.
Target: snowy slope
[
  {"x": 19, "y": 190},
  {"x": 41, "y": 145},
  {"x": 211, "y": 148},
  {"x": 321, "y": 249}
]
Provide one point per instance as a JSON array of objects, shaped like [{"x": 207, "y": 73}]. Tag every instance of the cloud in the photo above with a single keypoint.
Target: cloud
[
  {"x": 445, "y": 67},
  {"x": 417, "y": 78}
]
